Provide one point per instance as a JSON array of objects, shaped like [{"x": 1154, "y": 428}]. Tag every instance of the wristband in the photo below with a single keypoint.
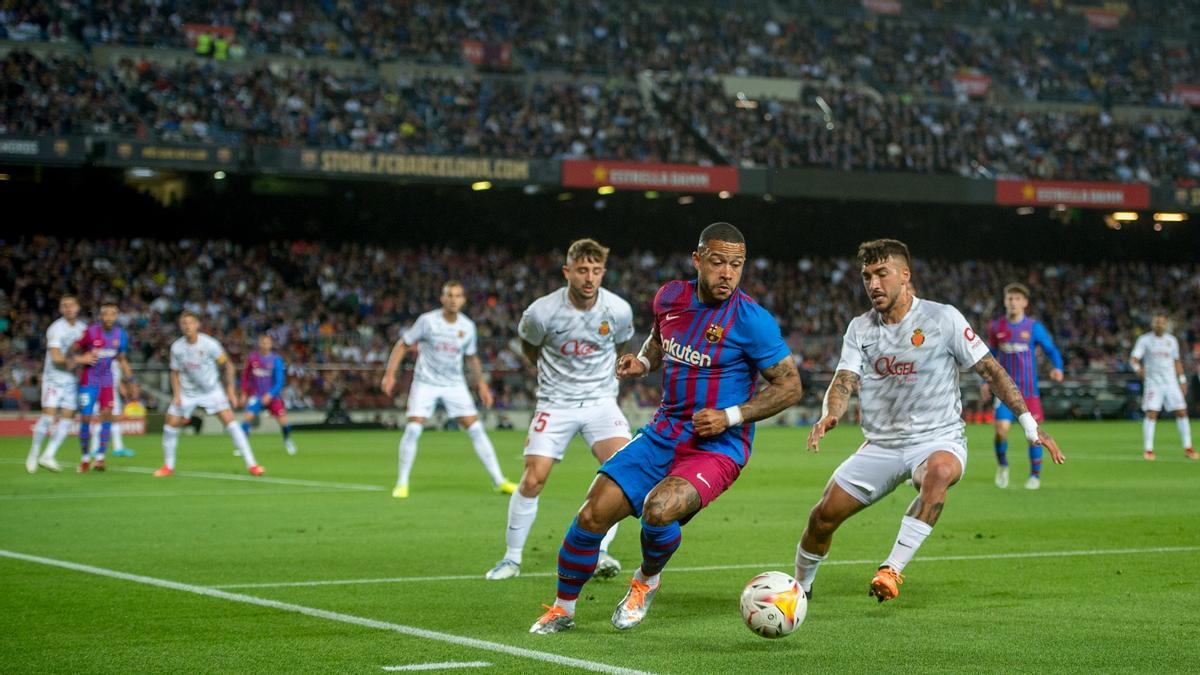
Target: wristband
[
  {"x": 1030, "y": 426},
  {"x": 733, "y": 415},
  {"x": 645, "y": 362},
  {"x": 1183, "y": 379}
]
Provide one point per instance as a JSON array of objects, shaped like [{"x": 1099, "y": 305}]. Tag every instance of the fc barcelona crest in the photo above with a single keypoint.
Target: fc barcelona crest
[
  {"x": 918, "y": 337},
  {"x": 604, "y": 329},
  {"x": 714, "y": 333}
]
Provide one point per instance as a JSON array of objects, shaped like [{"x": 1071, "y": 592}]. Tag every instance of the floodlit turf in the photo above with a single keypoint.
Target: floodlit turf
[{"x": 1107, "y": 612}]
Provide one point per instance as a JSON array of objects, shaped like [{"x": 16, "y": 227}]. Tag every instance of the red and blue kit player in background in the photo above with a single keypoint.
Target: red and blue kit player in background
[
  {"x": 1012, "y": 340},
  {"x": 712, "y": 341},
  {"x": 101, "y": 345},
  {"x": 262, "y": 381}
]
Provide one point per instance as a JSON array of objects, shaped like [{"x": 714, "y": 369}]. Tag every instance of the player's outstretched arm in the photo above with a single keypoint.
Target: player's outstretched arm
[
  {"x": 645, "y": 361},
  {"x": 1006, "y": 390},
  {"x": 388, "y": 383},
  {"x": 837, "y": 401},
  {"x": 782, "y": 391}
]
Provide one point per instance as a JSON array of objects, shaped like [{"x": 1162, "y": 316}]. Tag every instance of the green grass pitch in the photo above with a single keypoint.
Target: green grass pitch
[{"x": 1093, "y": 573}]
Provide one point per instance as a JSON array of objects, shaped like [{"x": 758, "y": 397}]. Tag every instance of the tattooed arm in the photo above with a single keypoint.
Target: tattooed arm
[
  {"x": 1006, "y": 390},
  {"x": 629, "y": 365},
  {"x": 837, "y": 401},
  {"x": 782, "y": 391},
  {"x": 475, "y": 376}
]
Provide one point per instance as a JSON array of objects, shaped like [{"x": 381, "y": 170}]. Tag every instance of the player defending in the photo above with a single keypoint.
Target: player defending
[
  {"x": 1164, "y": 386},
  {"x": 447, "y": 339},
  {"x": 904, "y": 356},
  {"x": 59, "y": 385},
  {"x": 262, "y": 380},
  {"x": 119, "y": 449},
  {"x": 573, "y": 335},
  {"x": 1012, "y": 341},
  {"x": 196, "y": 382},
  {"x": 97, "y": 386},
  {"x": 712, "y": 341}
]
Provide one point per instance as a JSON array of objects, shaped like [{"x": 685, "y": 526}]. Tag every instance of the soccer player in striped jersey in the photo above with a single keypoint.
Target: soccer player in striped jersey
[
  {"x": 1012, "y": 340},
  {"x": 97, "y": 387},
  {"x": 712, "y": 341},
  {"x": 262, "y": 381}
]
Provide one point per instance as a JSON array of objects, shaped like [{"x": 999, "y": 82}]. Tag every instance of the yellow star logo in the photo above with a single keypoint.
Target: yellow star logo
[
  {"x": 786, "y": 602},
  {"x": 1028, "y": 192},
  {"x": 600, "y": 174}
]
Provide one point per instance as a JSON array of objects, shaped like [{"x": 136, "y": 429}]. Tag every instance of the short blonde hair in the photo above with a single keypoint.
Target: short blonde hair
[{"x": 587, "y": 249}]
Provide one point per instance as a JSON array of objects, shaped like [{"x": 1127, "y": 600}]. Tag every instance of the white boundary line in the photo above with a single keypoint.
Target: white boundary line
[
  {"x": 411, "y": 631},
  {"x": 238, "y": 477},
  {"x": 216, "y": 493},
  {"x": 722, "y": 568},
  {"x": 447, "y": 665}
]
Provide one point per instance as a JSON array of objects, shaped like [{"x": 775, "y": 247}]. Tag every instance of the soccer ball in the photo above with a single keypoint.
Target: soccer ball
[{"x": 773, "y": 605}]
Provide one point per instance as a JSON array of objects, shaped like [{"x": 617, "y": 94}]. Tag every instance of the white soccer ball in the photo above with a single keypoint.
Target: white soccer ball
[{"x": 773, "y": 605}]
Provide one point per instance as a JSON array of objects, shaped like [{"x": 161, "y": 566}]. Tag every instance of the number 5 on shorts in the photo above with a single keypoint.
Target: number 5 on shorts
[{"x": 539, "y": 424}]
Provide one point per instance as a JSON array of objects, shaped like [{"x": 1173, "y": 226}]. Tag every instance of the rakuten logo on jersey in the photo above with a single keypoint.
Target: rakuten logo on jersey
[
  {"x": 578, "y": 348},
  {"x": 1014, "y": 347},
  {"x": 685, "y": 354},
  {"x": 888, "y": 366}
]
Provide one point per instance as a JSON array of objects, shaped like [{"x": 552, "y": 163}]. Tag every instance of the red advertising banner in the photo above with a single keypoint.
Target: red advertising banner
[
  {"x": 130, "y": 426},
  {"x": 645, "y": 176},
  {"x": 1102, "y": 18},
  {"x": 1189, "y": 94},
  {"x": 973, "y": 84},
  {"x": 893, "y": 7},
  {"x": 487, "y": 54},
  {"x": 1052, "y": 193}
]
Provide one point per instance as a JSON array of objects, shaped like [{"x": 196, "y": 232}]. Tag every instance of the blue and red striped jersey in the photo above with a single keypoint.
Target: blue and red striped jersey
[
  {"x": 263, "y": 374},
  {"x": 1013, "y": 345},
  {"x": 712, "y": 355},
  {"x": 107, "y": 344}
]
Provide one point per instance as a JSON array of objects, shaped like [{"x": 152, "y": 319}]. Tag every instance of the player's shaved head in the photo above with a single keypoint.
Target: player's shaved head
[
  {"x": 720, "y": 232},
  {"x": 720, "y": 258},
  {"x": 879, "y": 250},
  {"x": 454, "y": 296},
  {"x": 587, "y": 250}
]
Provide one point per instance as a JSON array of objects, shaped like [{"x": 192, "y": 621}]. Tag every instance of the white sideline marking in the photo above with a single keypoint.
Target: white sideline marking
[
  {"x": 257, "y": 479},
  {"x": 722, "y": 568},
  {"x": 218, "y": 493},
  {"x": 440, "y": 666},
  {"x": 472, "y": 643}
]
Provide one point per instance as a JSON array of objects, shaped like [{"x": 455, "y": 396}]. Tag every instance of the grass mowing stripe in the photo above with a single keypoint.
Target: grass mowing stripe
[
  {"x": 412, "y": 631},
  {"x": 722, "y": 568},
  {"x": 447, "y": 665}
]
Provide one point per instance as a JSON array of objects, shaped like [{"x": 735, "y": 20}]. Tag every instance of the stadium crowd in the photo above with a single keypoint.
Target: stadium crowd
[{"x": 335, "y": 311}]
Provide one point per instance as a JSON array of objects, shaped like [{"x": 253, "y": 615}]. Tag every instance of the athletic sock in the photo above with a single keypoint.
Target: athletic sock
[
  {"x": 659, "y": 543},
  {"x": 94, "y": 431},
  {"x": 522, "y": 511},
  {"x": 286, "y": 430},
  {"x": 1001, "y": 451},
  {"x": 170, "y": 441},
  {"x": 241, "y": 443},
  {"x": 246, "y": 428},
  {"x": 408, "y": 450},
  {"x": 1035, "y": 460},
  {"x": 117, "y": 441},
  {"x": 105, "y": 437},
  {"x": 485, "y": 452},
  {"x": 41, "y": 429},
  {"x": 912, "y": 535},
  {"x": 608, "y": 538},
  {"x": 85, "y": 438},
  {"x": 576, "y": 564},
  {"x": 1185, "y": 431},
  {"x": 806, "y": 567},
  {"x": 61, "y": 431},
  {"x": 650, "y": 580},
  {"x": 1148, "y": 434}
]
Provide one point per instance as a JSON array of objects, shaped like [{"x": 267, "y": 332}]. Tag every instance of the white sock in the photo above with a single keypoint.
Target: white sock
[
  {"x": 650, "y": 581},
  {"x": 241, "y": 442},
  {"x": 1148, "y": 434},
  {"x": 912, "y": 535},
  {"x": 806, "y": 567},
  {"x": 116, "y": 434},
  {"x": 522, "y": 511},
  {"x": 94, "y": 444},
  {"x": 485, "y": 452},
  {"x": 408, "y": 450},
  {"x": 567, "y": 605},
  {"x": 40, "y": 429},
  {"x": 170, "y": 442},
  {"x": 61, "y": 431},
  {"x": 1185, "y": 431},
  {"x": 608, "y": 538}
]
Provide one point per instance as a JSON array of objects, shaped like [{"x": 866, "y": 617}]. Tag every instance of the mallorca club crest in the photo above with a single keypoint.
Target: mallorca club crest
[
  {"x": 714, "y": 333},
  {"x": 918, "y": 337},
  {"x": 604, "y": 328},
  {"x": 462, "y": 333}
]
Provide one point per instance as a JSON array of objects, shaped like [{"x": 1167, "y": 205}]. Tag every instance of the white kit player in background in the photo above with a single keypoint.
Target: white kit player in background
[
  {"x": 904, "y": 356},
  {"x": 60, "y": 386},
  {"x": 1164, "y": 386},
  {"x": 446, "y": 339},
  {"x": 197, "y": 364},
  {"x": 573, "y": 335},
  {"x": 118, "y": 443}
]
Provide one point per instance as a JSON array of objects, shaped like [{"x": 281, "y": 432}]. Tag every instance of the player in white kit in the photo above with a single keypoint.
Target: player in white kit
[
  {"x": 446, "y": 339},
  {"x": 60, "y": 387},
  {"x": 1155, "y": 357},
  {"x": 573, "y": 335},
  {"x": 197, "y": 364},
  {"x": 904, "y": 356}
]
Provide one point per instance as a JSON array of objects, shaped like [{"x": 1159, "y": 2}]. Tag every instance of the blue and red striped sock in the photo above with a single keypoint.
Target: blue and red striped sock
[
  {"x": 105, "y": 437},
  {"x": 658, "y": 544},
  {"x": 1035, "y": 460},
  {"x": 1001, "y": 452},
  {"x": 576, "y": 563},
  {"x": 85, "y": 437}
]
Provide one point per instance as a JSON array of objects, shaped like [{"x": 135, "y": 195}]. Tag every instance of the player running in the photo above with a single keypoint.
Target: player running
[
  {"x": 1155, "y": 357},
  {"x": 1012, "y": 341},
  {"x": 573, "y": 335},
  {"x": 904, "y": 356},
  {"x": 197, "y": 363},
  {"x": 262, "y": 381},
  {"x": 712, "y": 341},
  {"x": 59, "y": 385},
  {"x": 447, "y": 339},
  {"x": 97, "y": 386}
]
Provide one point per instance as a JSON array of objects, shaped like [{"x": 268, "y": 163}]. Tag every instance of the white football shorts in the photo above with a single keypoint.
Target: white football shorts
[
  {"x": 871, "y": 473},
  {"x": 456, "y": 398},
  {"x": 1158, "y": 397},
  {"x": 59, "y": 395},
  {"x": 213, "y": 402},
  {"x": 551, "y": 429}
]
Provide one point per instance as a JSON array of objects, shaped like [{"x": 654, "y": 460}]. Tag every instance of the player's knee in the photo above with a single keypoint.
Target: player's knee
[
  {"x": 591, "y": 520},
  {"x": 939, "y": 474},
  {"x": 531, "y": 486},
  {"x": 657, "y": 516}
]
